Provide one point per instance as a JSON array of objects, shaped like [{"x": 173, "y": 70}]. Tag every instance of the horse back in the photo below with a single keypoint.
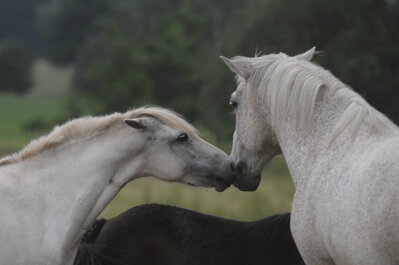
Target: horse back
[
  {"x": 87, "y": 252},
  {"x": 158, "y": 234}
]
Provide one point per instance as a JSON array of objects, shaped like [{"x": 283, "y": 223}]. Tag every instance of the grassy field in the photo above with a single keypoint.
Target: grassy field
[{"x": 24, "y": 118}]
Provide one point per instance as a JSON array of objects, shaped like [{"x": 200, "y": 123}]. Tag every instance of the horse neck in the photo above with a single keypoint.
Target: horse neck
[
  {"x": 317, "y": 147},
  {"x": 68, "y": 188}
]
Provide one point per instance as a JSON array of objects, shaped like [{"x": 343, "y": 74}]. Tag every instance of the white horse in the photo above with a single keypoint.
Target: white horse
[
  {"x": 53, "y": 190},
  {"x": 343, "y": 156}
]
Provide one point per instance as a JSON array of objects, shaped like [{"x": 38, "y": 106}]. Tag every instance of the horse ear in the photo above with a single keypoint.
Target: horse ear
[
  {"x": 307, "y": 56},
  {"x": 239, "y": 65},
  {"x": 138, "y": 123}
]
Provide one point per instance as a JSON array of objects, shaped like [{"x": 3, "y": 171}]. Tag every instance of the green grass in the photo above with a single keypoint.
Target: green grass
[
  {"x": 22, "y": 119},
  {"x": 51, "y": 82}
]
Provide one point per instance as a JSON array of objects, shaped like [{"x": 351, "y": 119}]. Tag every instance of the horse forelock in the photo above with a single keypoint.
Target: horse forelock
[
  {"x": 292, "y": 86},
  {"x": 88, "y": 127}
]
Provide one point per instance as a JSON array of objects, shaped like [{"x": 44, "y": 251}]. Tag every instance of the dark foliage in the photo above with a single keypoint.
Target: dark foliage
[
  {"x": 358, "y": 41},
  {"x": 131, "y": 53},
  {"x": 17, "y": 21},
  {"x": 15, "y": 64}
]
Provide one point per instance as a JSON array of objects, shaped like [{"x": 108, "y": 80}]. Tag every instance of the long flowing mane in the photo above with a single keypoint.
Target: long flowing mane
[
  {"x": 87, "y": 127},
  {"x": 292, "y": 85}
]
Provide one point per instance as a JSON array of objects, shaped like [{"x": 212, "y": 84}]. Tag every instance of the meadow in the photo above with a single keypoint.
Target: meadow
[{"x": 26, "y": 117}]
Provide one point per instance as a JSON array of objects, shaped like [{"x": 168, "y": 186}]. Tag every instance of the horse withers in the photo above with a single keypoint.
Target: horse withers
[
  {"x": 341, "y": 152},
  {"x": 164, "y": 235}
]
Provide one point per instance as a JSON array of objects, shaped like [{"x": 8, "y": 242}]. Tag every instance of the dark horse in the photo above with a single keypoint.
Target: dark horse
[{"x": 156, "y": 234}]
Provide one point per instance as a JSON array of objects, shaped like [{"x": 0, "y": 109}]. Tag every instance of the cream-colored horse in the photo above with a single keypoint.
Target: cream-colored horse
[
  {"x": 343, "y": 156},
  {"x": 53, "y": 190}
]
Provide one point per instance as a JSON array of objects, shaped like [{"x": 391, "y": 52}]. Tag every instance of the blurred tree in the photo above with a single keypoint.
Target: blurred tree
[
  {"x": 17, "y": 21},
  {"x": 67, "y": 24},
  {"x": 165, "y": 52},
  {"x": 15, "y": 63},
  {"x": 117, "y": 69},
  {"x": 359, "y": 41},
  {"x": 144, "y": 51},
  {"x": 111, "y": 72},
  {"x": 176, "y": 47}
]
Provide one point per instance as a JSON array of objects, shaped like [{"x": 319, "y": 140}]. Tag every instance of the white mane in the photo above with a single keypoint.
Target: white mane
[
  {"x": 89, "y": 126},
  {"x": 292, "y": 86}
]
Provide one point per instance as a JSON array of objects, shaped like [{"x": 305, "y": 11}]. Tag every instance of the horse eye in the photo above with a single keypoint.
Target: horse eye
[
  {"x": 182, "y": 137},
  {"x": 233, "y": 103}
]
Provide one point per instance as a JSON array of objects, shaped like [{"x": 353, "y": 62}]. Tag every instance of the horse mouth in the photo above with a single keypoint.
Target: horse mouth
[
  {"x": 248, "y": 183},
  {"x": 220, "y": 185}
]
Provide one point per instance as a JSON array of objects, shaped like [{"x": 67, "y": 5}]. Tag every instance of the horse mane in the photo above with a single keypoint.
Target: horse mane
[
  {"x": 88, "y": 127},
  {"x": 292, "y": 85}
]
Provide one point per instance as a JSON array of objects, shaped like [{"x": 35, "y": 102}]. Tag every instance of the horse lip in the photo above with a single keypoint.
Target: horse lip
[
  {"x": 220, "y": 184},
  {"x": 248, "y": 183}
]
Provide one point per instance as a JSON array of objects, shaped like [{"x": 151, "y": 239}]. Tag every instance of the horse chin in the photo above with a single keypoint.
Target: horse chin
[
  {"x": 248, "y": 183},
  {"x": 220, "y": 185}
]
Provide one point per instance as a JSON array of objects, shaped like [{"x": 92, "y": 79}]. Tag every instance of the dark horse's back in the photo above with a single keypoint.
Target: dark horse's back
[
  {"x": 164, "y": 235},
  {"x": 88, "y": 253}
]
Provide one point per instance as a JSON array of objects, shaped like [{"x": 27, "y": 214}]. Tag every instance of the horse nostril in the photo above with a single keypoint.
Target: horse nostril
[{"x": 240, "y": 168}]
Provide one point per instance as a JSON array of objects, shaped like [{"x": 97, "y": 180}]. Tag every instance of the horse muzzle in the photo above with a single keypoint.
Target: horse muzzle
[
  {"x": 222, "y": 183},
  {"x": 246, "y": 182}
]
